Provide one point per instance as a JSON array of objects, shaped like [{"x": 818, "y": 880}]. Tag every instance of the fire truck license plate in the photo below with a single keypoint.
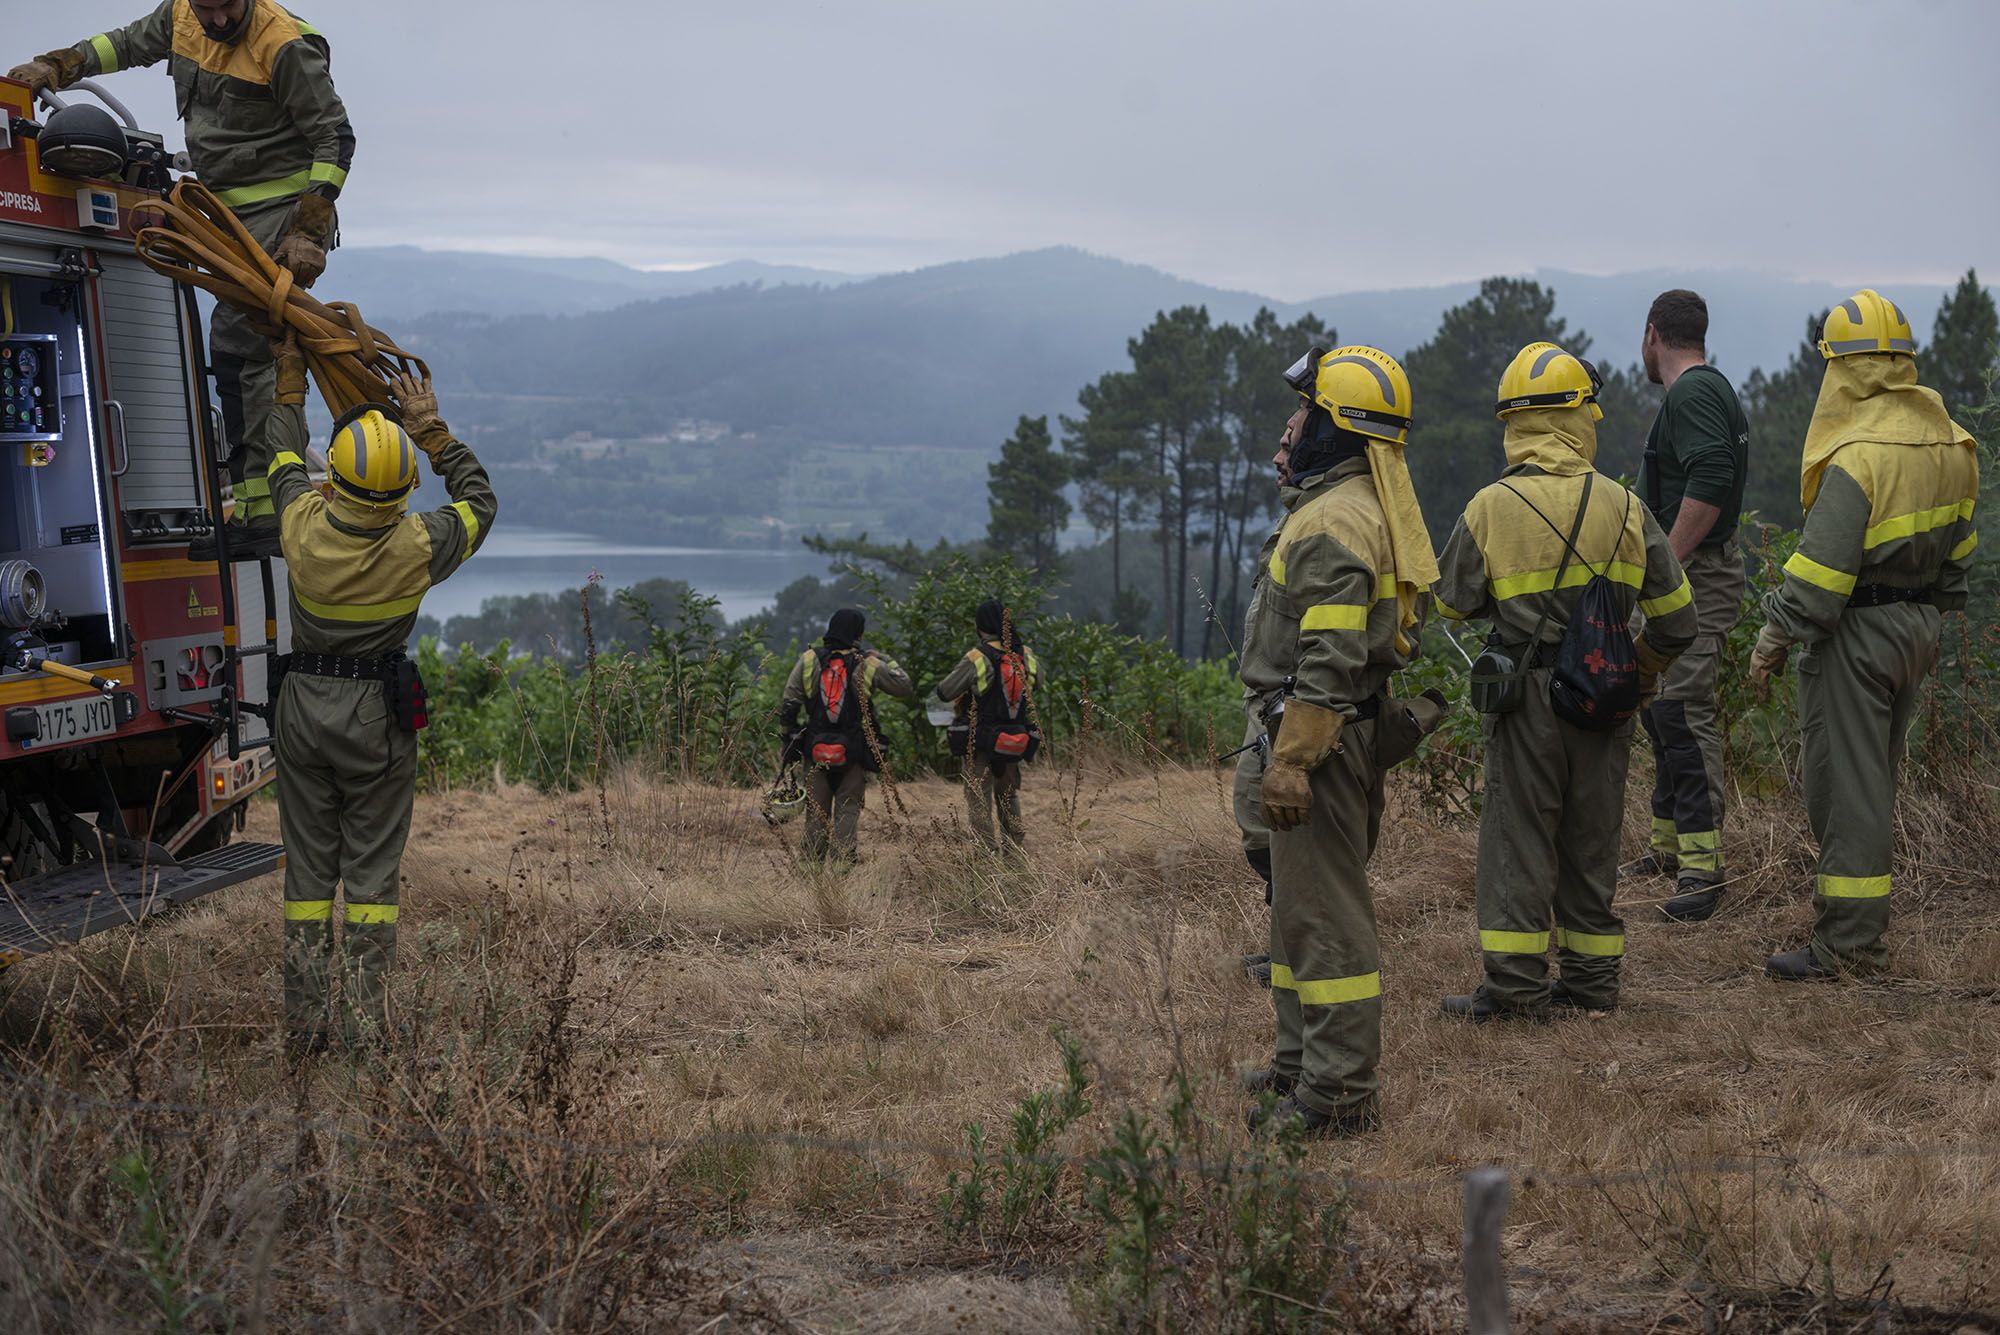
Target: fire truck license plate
[{"x": 73, "y": 721}]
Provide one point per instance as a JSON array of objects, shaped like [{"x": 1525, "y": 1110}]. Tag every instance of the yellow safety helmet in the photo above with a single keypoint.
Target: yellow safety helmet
[
  {"x": 1542, "y": 375},
  {"x": 1866, "y": 322},
  {"x": 1364, "y": 388},
  {"x": 372, "y": 459}
]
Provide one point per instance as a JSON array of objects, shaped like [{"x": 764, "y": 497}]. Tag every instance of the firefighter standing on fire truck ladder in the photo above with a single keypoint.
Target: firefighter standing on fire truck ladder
[
  {"x": 835, "y": 685},
  {"x": 268, "y": 134},
  {"x": 348, "y": 702}
]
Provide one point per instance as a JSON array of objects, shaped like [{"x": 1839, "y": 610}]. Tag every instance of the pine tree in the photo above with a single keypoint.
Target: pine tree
[
  {"x": 1024, "y": 492},
  {"x": 1963, "y": 356}
]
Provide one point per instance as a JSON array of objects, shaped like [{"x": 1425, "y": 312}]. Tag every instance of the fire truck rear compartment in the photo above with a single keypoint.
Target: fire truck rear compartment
[{"x": 52, "y": 490}]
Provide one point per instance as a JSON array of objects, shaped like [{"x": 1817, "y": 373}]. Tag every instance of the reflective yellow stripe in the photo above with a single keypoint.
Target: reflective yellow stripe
[
  {"x": 1335, "y": 616},
  {"x": 279, "y": 460},
  {"x": 1277, "y": 568},
  {"x": 1825, "y": 577},
  {"x": 364, "y": 915},
  {"x": 305, "y": 27},
  {"x": 107, "y": 54},
  {"x": 1583, "y": 943},
  {"x": 1964, "y": 549},
  {"x": 357, "y": 611},
  {"x": 252, "y": 487},
  {"x": 1385, "y": 587},
  {"x": 1514, "y": 943},
  {"x": 471, "y": 522},
  {"x": 1909, "y": 525},
  {"x": 1708, "y": 839},
  {"x": 267, "y": 190},
  {"x": 1854, "y": 887},
  {"x": 1544, "y": 581},
  {"x": 326, "y": 173},
  {"x": 1327, "y": 991},
  {"x": 308, "y": 910},
  {"x": 1672, "y": 602}
]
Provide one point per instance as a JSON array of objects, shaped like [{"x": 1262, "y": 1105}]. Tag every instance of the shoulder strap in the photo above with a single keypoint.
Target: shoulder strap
[{"x": 1562, "y": 566}]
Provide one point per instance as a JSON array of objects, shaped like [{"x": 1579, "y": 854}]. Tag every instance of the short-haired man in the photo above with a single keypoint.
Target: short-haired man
[{"x": 1697, "y": 456}]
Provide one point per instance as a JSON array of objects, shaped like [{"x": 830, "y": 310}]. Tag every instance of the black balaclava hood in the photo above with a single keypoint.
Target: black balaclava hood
[
  {"x": 991, "y": 618},
  {"x": 845, "y": 628},
  {"x": 1322, "y": 443}
]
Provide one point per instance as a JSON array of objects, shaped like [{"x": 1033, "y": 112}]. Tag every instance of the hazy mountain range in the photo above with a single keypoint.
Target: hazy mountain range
[{"x": 943, "y": 355}]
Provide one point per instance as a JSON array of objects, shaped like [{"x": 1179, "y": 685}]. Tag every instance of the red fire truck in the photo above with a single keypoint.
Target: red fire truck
[{"x": 131, "y": 677}]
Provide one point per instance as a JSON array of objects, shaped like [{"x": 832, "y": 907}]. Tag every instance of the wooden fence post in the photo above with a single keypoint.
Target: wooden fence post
[{"x": 1486, "y": 1194}]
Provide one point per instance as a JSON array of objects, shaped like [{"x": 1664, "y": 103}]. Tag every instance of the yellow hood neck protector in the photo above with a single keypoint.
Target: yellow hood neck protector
[
  {"x": 356, "y": 514},
  {"x": 1872, "y": 397},
  {"x": 1561, "y": 441},
  {"x": 1409, "y": 537}
]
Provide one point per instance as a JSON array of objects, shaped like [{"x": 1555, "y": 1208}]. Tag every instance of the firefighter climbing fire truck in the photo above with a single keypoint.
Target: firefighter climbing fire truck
[{"x": 131, "y": 677}]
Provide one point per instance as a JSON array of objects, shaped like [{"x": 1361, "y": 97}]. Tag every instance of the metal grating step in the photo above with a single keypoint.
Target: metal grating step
[{"x": 73, "y": 902}]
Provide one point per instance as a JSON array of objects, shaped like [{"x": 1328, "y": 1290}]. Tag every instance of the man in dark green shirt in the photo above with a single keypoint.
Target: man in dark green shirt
[{"x": 1697, "y": 457}]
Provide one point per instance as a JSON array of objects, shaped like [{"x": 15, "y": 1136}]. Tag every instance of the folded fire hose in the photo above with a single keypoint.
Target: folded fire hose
[{"x": 203, "y": 244}]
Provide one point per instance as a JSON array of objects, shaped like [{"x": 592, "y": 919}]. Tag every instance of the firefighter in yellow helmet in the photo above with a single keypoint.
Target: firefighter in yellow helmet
[
  {"x": 348, "y": 702},
  {"x": 1343, "y": 601},
  {"x": 1888, "y": 483},
  {"x": 268, "y": 134},
  {"x": 1524, "y": 557}
]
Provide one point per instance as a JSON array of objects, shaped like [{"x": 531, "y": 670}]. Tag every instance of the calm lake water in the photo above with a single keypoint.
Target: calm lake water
[{"x": 526, "y": 560}]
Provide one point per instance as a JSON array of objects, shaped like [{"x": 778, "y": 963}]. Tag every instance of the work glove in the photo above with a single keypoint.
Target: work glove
[
  {"x": 419, "y": 406},
  {"x": 303, "y": 247},
  {"x": 1653, "y": 665},
  {"x": 1767, "y": 660},
  {"x": 57, "y": 70},
  {"x": 1310, "y": 734},
  {"x": 291, "y": 370}
]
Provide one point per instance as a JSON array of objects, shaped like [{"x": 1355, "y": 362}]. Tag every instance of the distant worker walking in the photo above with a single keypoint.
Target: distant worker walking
[
  {"x": 1342, "y": 607},
  {"x": 840, "y": 740},
  {"x": 268, "y": 134},
  {"x": 350, "y": 703},
  {"x": 992, "y": 691},
  {"x": 1555, "y": 544},
  {"x": 1697, "y": 459},
  {"x": 1889, "y": 483}
]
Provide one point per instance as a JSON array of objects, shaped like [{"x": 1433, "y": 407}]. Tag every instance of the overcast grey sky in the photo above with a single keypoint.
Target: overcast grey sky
[{"x": 1294, "y": 149}]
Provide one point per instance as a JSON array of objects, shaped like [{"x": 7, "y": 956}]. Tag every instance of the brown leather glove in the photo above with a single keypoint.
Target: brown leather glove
[
  {"x": 291, "y": 370},
  {"x": 1308, "y": 735},
  {"x": 303, "y": 248},
  {"x": 1652, "y": 666},
  {"x": 1767, "y": 660},
  {"x": 57, "y": 70},
  {"x": 419, "y": 406}
]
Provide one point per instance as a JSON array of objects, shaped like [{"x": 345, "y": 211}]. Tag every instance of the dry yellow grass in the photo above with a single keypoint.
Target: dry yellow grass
[{"x": 676, "y": 975}]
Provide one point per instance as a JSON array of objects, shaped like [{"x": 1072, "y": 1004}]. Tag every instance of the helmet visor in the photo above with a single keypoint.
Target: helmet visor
[{"x": 1305, "y": 371}]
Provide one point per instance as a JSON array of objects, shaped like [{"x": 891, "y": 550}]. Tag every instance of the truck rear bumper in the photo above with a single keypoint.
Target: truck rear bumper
[{"x": 66, "y": 905}]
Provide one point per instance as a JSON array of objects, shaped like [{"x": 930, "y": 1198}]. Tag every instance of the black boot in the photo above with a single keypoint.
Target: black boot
[
  {"x": 1797, "y": 966},
  {"x": 1479, "y": 1007},
  {"x": 1695, "y": 901},
  {"x": 249, "y": 540},
  {"x": 1314, "y": 1124},
  {"x": 1649, "y": 864},
  {"x": 1560, "y": 999},
  {"x": 1268, "y": 1080}
]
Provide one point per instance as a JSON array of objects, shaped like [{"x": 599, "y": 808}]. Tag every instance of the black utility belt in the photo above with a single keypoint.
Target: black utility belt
[
  {"x": 409, "y": 702},
  {"x": 1367, "y": 709},
  {"x": 1882, "y": 595},
  {"x": 344, "y": 668}
]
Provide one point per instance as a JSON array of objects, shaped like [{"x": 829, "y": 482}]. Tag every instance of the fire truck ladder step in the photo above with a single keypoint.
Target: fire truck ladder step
[{"x": 70, "y": 903}]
